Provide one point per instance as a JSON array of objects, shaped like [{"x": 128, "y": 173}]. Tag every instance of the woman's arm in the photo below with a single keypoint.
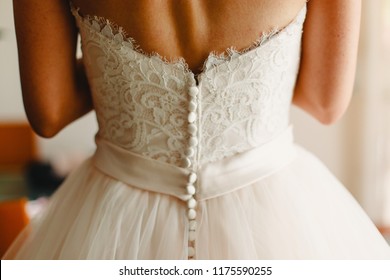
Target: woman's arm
[
  {"x": 329, "y": 52},
  {"x": 54, "y": 86}
]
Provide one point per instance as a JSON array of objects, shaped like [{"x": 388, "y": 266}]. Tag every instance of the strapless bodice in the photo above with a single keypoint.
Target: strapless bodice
[{"x": 162, "y": 111}]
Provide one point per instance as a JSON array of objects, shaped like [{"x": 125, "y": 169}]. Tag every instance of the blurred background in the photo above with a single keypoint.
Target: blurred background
[{"x": 356, "y": 149}]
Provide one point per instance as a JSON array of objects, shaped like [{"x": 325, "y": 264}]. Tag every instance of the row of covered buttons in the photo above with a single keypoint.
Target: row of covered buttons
[{"x": 188, "y": 162}]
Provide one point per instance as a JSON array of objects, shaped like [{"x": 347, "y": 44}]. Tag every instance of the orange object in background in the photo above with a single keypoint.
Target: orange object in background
[
  {"x": 13, "y": 218},
  {"x": 17, "y": 144},
  {"x": 17, "y": 148}
]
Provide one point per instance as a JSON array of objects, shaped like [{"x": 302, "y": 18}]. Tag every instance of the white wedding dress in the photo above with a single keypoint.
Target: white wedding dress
[{"x": 197, "y": 166}]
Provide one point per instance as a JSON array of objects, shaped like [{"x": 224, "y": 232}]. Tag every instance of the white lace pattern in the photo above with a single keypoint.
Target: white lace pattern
[{"x": 142, "y": 101}]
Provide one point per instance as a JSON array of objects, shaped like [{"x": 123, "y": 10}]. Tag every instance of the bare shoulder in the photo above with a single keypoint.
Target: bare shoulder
[{"x": 329, "y": 53}]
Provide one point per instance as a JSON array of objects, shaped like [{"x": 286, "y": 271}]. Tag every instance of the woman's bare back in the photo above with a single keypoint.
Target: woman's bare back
[
  {"x": 193, "y": 29},
  {"x": 47, "y": 35}
]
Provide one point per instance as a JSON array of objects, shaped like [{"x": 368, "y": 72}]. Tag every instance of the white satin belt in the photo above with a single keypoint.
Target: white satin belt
[{"x": 214, "y": 179}]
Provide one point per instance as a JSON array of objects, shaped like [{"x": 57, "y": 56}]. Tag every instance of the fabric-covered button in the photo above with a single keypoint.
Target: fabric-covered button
[
  {"x": 191, "y": 203},
  {"x": 186, "y": 162},
  {"x": 193, "y": 141},
  {"x": 191, "y": 214},
  {"x": 192, "y": 178},
  {"x": 192, "y": 106},
  {"x": 191, "y": 189},
  {"x": 190, "y": 152},
  {"x": 193, "y": 92},
  {"x": 191, "y": 117},
  {"x": 192, "y": 129}
]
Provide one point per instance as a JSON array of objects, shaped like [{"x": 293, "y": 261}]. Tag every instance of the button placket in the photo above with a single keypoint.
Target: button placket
[{"x": 193, "y": 141}]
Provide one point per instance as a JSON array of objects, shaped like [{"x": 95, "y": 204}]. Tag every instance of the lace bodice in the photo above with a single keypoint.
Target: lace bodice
[{"x": 144, "y": 103}]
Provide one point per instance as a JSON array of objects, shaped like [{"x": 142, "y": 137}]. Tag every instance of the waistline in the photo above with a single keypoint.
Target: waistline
[{"x": 214, "y": 178}]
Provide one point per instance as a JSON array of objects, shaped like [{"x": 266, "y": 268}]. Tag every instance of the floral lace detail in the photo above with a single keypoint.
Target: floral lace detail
[{"x": 141, "y": 100}]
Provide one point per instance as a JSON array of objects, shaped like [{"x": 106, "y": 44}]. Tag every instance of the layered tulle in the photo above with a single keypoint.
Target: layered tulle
[{"x": 299, "y": 212}]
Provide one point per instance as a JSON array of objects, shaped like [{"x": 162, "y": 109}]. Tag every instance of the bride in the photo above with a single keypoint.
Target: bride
[{"x": 195, "y": 156}]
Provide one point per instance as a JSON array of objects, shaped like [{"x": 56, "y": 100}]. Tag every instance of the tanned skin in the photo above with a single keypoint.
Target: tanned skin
[{"x": 55, "y": 88}]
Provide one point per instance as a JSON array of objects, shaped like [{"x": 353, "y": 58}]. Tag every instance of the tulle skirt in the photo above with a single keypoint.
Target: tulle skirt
[{"x": 299, "y": 211}]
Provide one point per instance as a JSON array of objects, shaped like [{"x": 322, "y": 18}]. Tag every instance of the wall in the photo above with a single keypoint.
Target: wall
[{"x": 10, "y": 97}]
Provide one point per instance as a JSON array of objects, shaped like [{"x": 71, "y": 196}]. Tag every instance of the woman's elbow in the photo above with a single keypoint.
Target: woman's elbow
[
  {"x": 328, "y": 115},
  {"x": 327, "y": 111},
  {"x": 45, "y": 128},
  {"x": 44, "y": 122}
]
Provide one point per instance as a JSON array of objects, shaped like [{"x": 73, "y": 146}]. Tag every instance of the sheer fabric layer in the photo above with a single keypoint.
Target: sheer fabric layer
[{"x": 292, "y": 214}]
